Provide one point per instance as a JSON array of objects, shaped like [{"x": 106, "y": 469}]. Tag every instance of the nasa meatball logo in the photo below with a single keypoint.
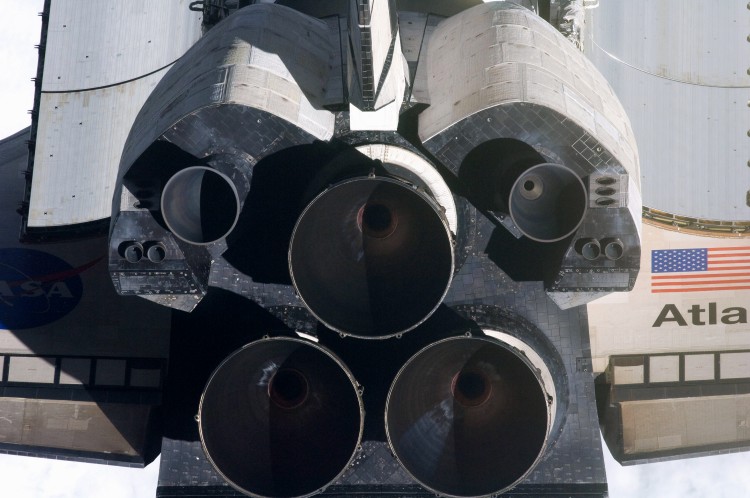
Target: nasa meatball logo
[{"x": 37, "y": 288}]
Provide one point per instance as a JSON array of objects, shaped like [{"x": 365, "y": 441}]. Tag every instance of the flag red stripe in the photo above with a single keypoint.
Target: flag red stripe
[
  {"x": 704, "y": 282},
  {"x": 696, "y": 289},
  {"x": 728, "y": 255},
  {"x": 710, "y": 249},
  {"x": 693, "y": 275},
  {"x": 726, "y": 261},
  {"x": 724, "y": 268}
]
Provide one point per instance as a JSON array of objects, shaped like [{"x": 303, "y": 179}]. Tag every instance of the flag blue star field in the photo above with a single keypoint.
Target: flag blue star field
[{"x": 700, "y": 270}]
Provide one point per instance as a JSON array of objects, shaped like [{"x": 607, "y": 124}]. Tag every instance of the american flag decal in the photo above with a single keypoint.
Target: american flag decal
[{"x": 700, "y": 270}]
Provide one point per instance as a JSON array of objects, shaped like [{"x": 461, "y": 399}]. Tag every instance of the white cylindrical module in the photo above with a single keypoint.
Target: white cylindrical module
[{"x": 680, "y": 69}]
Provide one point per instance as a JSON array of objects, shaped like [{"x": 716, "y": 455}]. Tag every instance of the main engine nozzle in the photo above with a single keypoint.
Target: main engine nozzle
[
  {"x": 468, "y": 416},
  {"x": 281, "y": 417},
  {"x": 372, "y": 257},
  {"x": 547, "y": 202},
  {"x": 200, "y": 205}
]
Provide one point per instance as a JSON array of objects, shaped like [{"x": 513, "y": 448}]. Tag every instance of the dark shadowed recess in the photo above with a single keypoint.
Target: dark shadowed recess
[
  {"x": 375, "y": 363},
  {"x": 222, "y": 323},
  {"x": 282, "y": 185}
]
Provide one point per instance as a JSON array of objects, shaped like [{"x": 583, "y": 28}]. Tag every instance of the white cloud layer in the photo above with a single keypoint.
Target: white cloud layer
[
  {"x": 18, "y": 59},
  {"x": 26, "y": 477},
  {"x": 720, "y": 476}
]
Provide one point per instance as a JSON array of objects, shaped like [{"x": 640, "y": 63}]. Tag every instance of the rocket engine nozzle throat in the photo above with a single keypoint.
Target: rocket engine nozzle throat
[
  {"x": 547, "y": 202},
  {"x": 372, "y": 257},
  {"x": 200, "y": 205},
  {"x": 281, "y": 417},
  {"x": 468, "y": 416}
]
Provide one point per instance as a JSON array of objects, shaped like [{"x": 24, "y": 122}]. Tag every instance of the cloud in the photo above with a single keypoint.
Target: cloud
[
  {"x": 719, "y": 476},
  {"x": 18, "y": 60},
  {"x": 27, "y": 477}
]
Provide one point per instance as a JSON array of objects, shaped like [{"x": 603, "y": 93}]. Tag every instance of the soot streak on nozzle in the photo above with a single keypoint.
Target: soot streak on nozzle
[
  {"x": 281, "y": 417},
  {"x": 468, "y": 416}
]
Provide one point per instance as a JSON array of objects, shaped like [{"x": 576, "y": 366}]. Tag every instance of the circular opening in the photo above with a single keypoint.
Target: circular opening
[
  {"x": 200, "y": 205},
  {"x": 605, "y": 191},
  {"x": 605, "y": 201},
  {"x": 377, "y": 220},
  {"x": 605, "y": 180},
  {"x": 590, "y": 250},
  {"x": 530, "y": 186},
  {"x": 156, "y": 253},
  {"x": 468, "y": 416},
  {"x": 371, "y": 257},
  {"x": 132, "y": 252},
  {"x": 470, "y": 388},
  {"x": 257, "y": 442},
  {"x": 547, "y": 202},
  {"x": 614, "y": 250},
  {"x": 288, "y": 388}
]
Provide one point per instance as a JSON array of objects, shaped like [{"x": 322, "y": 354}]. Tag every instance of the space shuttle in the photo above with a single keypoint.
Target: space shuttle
[{"x": 370, "y": 247}]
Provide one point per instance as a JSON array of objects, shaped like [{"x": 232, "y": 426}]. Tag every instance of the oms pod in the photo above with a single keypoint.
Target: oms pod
[
  {"x": 281, "y": 417},
  {"x": 372, "y": 256},
  {"x": 468, "y": 416}
]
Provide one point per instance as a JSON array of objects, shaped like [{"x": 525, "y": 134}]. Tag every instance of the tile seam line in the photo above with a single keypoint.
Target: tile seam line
[{"x": 101, "y": 87}]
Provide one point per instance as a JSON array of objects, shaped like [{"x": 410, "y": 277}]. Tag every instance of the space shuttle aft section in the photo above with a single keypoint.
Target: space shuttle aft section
[
  {"x": 491, "y": 102},
  {"x": 346, "y": 154}
]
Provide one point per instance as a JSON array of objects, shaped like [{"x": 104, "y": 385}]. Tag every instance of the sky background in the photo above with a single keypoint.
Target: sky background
[{"x": 725, "y": 476}]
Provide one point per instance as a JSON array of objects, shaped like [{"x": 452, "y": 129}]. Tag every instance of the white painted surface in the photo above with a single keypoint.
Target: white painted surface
[
  {"x": 680, "y": 70},
  {"x": 664, "y": 368},
  {"x": 624, "y": 323},
  {"x": 101, "y": 63},
  {"x": 489, "y": 56},
  {"x": 690, "y": 41},
  {"x": 79, "y": 142},
  {"x": 734, "y": 365},
  {"x": 699, "y": 367},
  {"x": 266, "y": 83},
  {"x": 107, "y": 43},
  {"x": 73, "y": 425},
  {"x": 31, "y": 369},
  {"x": 633, "y": 374},
  {"x": 663, "y": 424}
]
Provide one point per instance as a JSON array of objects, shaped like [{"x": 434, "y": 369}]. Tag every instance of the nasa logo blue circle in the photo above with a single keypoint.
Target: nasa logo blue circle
[{"x": 36, "y": 288}]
